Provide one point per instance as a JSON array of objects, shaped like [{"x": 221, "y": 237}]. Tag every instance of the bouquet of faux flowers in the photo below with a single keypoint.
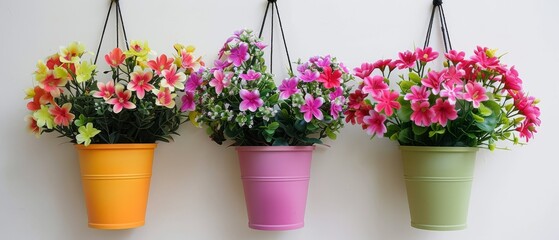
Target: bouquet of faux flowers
[
  {"x": 470, "y": 102},
  {"x": 137, "y": 104},
  {"x": 237, "y": 99}
]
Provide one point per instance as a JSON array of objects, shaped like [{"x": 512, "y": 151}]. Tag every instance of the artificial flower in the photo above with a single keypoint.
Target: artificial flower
[
  {"x": 115, "y": 57},
  {"x": 250, "y": 100},
  {"x": 121, "y": 99},
  {"x": 86, "y": 133},
  {"x": 140, "y": 81},
  {"x": 311, "y": 108}
]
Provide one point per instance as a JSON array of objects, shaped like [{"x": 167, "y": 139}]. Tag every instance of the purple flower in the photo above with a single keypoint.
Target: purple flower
[
  {"x": 260, "y": 45},
  {"x": 335, "y": 110},
  {"x": 193, "y": 82},
  {"x": 251, "y": 100},
  {"x": 312, "y": 108},
  {"x": 302, "y": 67},
  {"x": 324, "y": 61},
  {"x": 221, "y": 64},
  {"x": 288, "y": 87},
  {"x": 239, "y": 54},
  {"x": 188, "y": 102},
  {"x": 250, "y": 75},
  {"x": 309, "y": 75},
  {"x": 344, "y": 68},
  {"x": 336, "y": 93}
]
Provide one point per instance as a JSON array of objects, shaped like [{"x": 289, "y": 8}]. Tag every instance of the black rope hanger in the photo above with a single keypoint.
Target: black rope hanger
[
  {"x": 273, "y": 3},
  {"x": 118, "y": 16},
  {"x": 438, "y": 4}
]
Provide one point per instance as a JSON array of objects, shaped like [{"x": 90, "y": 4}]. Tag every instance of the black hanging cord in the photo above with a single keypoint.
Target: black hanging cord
[
  {"x": 118, "y": 18},
  {"x": 444, "y": 27},
  {"x": 274, "y": 4}
]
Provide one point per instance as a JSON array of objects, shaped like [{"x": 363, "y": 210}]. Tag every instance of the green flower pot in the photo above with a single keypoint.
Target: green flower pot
[{"x": 438, "y": 183}]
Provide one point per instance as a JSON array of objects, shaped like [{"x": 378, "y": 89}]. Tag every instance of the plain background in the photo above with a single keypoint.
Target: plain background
[{"x": 356, "y": 189}]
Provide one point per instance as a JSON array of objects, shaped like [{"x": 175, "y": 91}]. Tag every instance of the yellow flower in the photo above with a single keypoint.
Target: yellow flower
[
  {"x": 491, "y": 52},
  {"x": 41, "y": 72},
  {"x": 29, "y": 93},
  {"x": 43, "y": 117},
  {"x": 192, "y": 117},
  {"x": 60, "y": 72},
  {"x": 84, "y": 71},
  {"x": 138, "y": 49},
  {"x": 71, "y": 53},
  {"x": 188, "y": 48},
  {"x": 86, "y": 133}
]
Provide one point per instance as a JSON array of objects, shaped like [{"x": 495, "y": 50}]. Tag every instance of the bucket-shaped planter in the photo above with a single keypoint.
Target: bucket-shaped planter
[
  {"x": 438, "y": 183},
  {"x": 116, "y": 179},
  {"x": 275, "y": 181}
]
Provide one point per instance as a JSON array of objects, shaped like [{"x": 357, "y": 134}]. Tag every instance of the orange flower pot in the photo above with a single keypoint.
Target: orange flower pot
[{"x": 116, "y": 180}]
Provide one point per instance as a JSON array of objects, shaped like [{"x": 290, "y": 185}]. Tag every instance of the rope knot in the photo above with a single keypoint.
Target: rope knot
[{"x": 435, "y": 2}]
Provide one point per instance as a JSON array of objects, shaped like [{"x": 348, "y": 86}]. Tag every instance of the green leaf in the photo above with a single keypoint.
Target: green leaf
[
  {"x": 417, "y": 130},
  {"x": 280, "y": 142},
  {"x": 478, "y": 118},
  {"x": 434, "y": 132},
  {"x": 414, "y": 77},
  {"x": 489, "y": 123},
  {"x": 330, "y": 134},
  {"x": 509, "y": 106},
  {"x": 403, "y": 136},
  {"x": 406, "y": 85},
  {"x": 312, "y": 140},
  {"x": 274, "y": 98},
  {"x": 484, "y": 111},
  {"x": 405, "y": 111}
]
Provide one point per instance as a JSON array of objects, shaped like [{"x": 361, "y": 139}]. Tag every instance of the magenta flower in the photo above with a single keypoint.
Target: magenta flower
[
  {"x": 374, "y": 85},
  {"x": 426, "y": 55},
  {"x": 193, "y": 82},
  {"x": 343, "y": 67},
  {"x": 251, "y": 100},
  {"x": 335, "y": 110},
  {"x": 250, "y": 75},
  {"x": 422, "y": 115},
  {"x": 122, "y": 99},
  {"x": 407, "y": 60},
  {"x": 483, "y": 61},
  {"x": 302, "y": 67},
  {"x": 309, "y": 75},
  {"x": 312, "y": 108},
  {"x": 387, "y": 101},
  {"x": 374, "y": 123},
  {"x": 455, "y": 56},
  {"x": 220, "y": 81},
  {"x": 218, "y": 64},
  {"x": 260, "y": 45},
  {"x": 475, "y": 93},
  {"x": 323, "y": 61},
  {"x": 188, "y": 103},
  {"x": 383, "y": 63},
  {"x": 239, "y": 54},
  {"x": 139, "y": 81},
  {"x": 452, "y": 75},
  {"x": 512, "y": 81},
  {"x": 336, "y": 93},
  {"x": 433, "y": 81},
  {"x": 288, "y": 87},
  {"x": 526, "y": 130},
  {"x": 452, "y": 92},
  {"x": 443, "y": 111},
  {"x": 418, "y": 94},
  {"x": 365, "y": 70},
  {"x": 106, "y": 91}
]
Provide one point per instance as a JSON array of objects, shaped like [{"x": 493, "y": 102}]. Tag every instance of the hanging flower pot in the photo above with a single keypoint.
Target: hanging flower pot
[
  {"x": 275, "y": 181},
  {"x": 116, "y": 179},
  {"x": 438, "y": 183}
]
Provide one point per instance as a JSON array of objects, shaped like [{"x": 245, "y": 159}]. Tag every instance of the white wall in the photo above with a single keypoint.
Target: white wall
[{"x": 356, "y": 190}]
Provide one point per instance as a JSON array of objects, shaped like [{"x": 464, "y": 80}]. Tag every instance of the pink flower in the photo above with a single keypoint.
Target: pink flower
[
  {"x": 218, "y": 64},
  {"x": 455, "y": 56},
  {"x": 374, "y": 123},
  {"x": 418, "y": 94},
  {"x": 336, "y": 93},
  {"x": 250, "y": 75},
  {"x": 160, "y": 63},
  {"x": 188, "y": 102},
  {"x": 475, "y": 93},
  {"x": 356, "y": 98},
  {"x": 122, "y": 99},
  {"x": 483, "y": 61},
  {"x": 330, "y": 78},
  {"x": 374, "y": 85},
  {"x": 407, "y": 60},
  {"x": 251, "y": 100},
  {"x": 525, "y": 105},
  {"x": 526, "y": 130},
  {"x": 312, "y": 108},
  {"x": 106, "y": 91},
  {"x": 115, "y": 57},
  {"x": 260, "y": 45},
  {"x": 309, "y": 75},
  {"x": 387, "y": 101},
  {"x": 433, "y": 81},
  {"x": 52, "y": 85},
  {"x": 164, "y": 97},
  {"x": 335, "y": 110},
  {"x": 288, "y": 87},
  {"x": 139, "y": 81},
  {"x": 187, "y": 60},
  {"x": 173, "y": 78},
  {"x": 426, "y": 55},
  {"x": 422, "y": 115},
  {"x": 452, "y": 75},
  {"x": 62, "y": 115},
  {"x": 365, "y": 70},
  {"x": 323, "y": 62},
  {"x": 220, "y": 81},
  {"x": 193, "y": 82},
  {"x": 452, "y": 92},
  {"x": 444, "y": 111},
  {"x": 512, "y": 81},
  {"x": 302, "y": 67},
  {"x": 239, "y": 54},
  {"x": 382, "y": 64}
]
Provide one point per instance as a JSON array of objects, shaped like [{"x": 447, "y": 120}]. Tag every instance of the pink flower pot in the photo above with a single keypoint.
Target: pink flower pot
[{"x": 276, "y": 181}]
